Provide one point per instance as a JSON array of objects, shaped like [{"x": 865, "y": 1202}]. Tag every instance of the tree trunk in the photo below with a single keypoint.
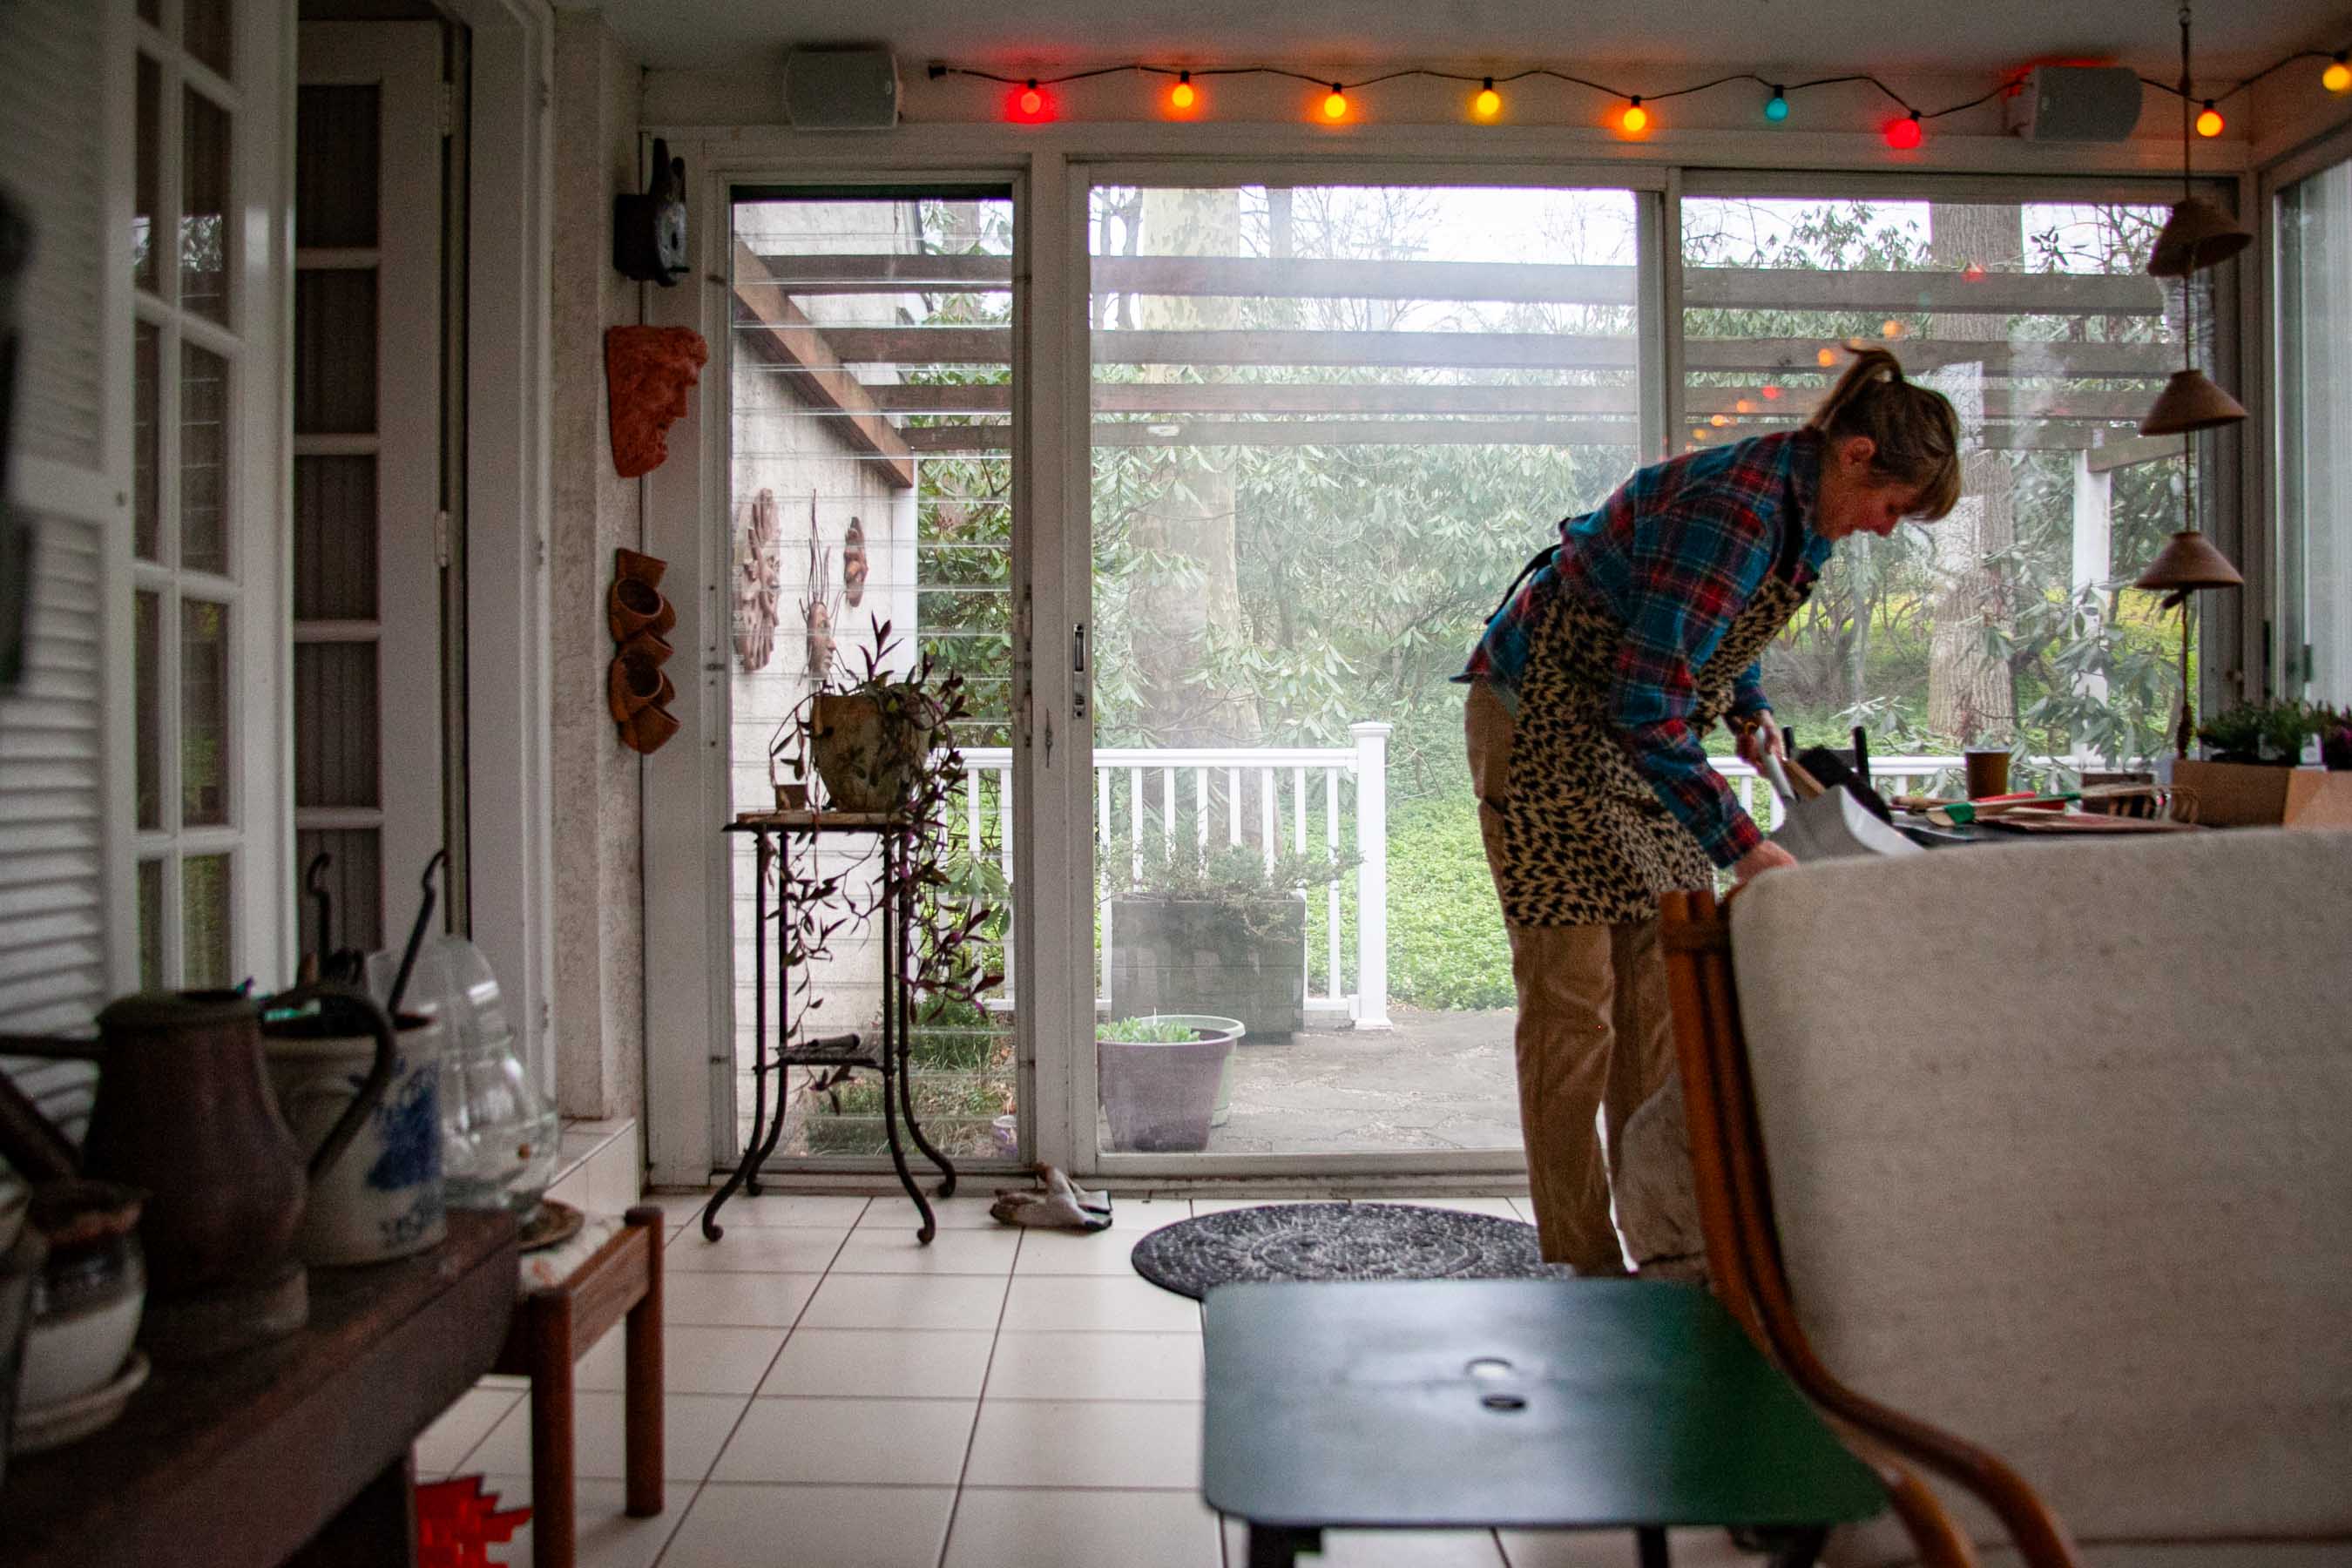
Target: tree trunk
[
  {"x": 1174, "y": 615},
  {"x": 1971, "y": 692}
]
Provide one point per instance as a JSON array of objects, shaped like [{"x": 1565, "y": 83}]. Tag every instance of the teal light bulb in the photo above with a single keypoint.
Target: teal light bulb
[{"x": 1776, "y": 109}]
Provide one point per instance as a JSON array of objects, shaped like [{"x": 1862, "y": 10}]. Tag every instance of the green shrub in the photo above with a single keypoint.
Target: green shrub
[{"x": 1446, "y": 945}]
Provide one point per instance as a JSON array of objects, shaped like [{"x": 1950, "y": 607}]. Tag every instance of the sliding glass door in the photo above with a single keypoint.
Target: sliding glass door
[
  {"x": 870, "y": 529},
  {"x": 1329, "y": 423}
]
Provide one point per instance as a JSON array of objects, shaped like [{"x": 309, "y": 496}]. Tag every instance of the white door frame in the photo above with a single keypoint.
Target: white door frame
[
  {"x": 508, "y": 305},
  {"x": 403, "y": 60}
]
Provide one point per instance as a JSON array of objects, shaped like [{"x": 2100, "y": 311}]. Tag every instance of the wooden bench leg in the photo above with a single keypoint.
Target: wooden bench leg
[
  {"x": 642, "y": 1416},
  {"x": 554, "y": 1520}
]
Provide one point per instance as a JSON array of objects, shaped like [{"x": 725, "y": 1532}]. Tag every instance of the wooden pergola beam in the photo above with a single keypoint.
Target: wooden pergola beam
[
  {"x": 1362, "y": 397},
  {"x": 771, "y": 325},
  {"x": 1705, "y": 288},
  {"x": 1626, "y": 432},
  {"x": 1760, "y": 357}
]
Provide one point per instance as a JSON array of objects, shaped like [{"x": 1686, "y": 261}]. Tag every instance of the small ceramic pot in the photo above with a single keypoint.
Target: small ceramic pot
[
  {"x": 89, "y": 1299},
  {"x": 866, "y": 755},
  {"x": 384, "y": 1198}
]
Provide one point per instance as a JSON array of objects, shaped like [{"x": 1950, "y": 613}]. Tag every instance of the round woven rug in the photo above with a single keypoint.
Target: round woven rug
[{"x": 1337, "y": 1241}]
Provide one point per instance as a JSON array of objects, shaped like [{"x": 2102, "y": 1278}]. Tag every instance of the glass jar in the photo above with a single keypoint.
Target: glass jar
[{"x": 498, "y": 1143}]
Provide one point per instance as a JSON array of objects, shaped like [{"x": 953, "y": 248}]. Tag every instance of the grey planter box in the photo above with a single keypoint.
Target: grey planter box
[{"x": 1200, "y": 957}]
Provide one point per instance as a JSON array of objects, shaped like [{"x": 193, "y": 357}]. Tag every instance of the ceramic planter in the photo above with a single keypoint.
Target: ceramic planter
[
  {"x": 1158, "y": 1096},
  {"x": 869, "y": 752},
  {"x": 1194, "y": 956}
]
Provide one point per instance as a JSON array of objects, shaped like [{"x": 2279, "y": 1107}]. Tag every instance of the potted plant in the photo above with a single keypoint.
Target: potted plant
[
  {"x": 954, "y": 903},
  {"x": 869, "y": 741},
  {"x": 2261, "y": 734},
  {"x": 1215, "y": 931},
  {"x": 1159, "y": 1078}
]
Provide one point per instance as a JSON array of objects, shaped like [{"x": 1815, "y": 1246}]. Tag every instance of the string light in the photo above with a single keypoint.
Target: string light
[
  {"x": 1771, "y": 392},
  {"x": 1825, "y": 358},
  {"x": 1719, "y": 420},
  {"x": 1032, "y": 102}
]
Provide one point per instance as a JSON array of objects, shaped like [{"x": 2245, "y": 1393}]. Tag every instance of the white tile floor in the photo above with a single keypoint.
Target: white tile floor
[{"x": 839, "y": 1398}]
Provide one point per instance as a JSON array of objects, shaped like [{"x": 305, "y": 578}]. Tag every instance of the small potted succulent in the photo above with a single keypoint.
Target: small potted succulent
[{"x": 1160, "y": 1076}]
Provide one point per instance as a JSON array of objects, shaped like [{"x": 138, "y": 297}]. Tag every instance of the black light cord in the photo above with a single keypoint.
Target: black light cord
[{"x": 1143, "y": 68}]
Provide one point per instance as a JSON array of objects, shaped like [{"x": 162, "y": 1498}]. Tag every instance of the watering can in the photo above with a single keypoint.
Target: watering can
[{"x": 186, "y": 1110}]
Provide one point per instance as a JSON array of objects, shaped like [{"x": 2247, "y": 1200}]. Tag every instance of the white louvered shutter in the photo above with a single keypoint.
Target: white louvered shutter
[{"x": 53, "y": 783}]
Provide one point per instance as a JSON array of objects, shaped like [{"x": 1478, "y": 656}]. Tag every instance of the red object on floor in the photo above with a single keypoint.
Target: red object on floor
[{"x": 457, "y": 1523}]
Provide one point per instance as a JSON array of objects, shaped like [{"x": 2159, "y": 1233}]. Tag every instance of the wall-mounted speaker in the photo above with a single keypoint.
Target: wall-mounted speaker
[
  {"x": 2074, "y": 103},
  {"x": 841, "y": 87}
]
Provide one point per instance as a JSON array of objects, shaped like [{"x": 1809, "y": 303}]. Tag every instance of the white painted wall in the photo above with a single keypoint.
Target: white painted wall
[{"x": 598, "y": 913}]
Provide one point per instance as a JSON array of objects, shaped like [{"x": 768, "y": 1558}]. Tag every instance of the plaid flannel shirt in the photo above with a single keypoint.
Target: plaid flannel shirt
[{"x": 1674, "y": 554}]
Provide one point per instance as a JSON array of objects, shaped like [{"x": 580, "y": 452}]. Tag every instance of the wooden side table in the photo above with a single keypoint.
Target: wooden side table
[
  {"x": 237, "y": 1463},
  {"x": 1534, "y": 1404},
  {"x": 553, "y": 1329}
]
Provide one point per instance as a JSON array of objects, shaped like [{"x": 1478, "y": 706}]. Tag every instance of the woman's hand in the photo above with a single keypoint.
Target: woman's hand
[
  {"x": 1758, "y": 736},
  {"x": 1766, "y": 856}
]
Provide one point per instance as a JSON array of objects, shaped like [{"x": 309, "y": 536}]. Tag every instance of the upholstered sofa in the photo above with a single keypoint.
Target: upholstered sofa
[{"x": 2034, "y": 1165}]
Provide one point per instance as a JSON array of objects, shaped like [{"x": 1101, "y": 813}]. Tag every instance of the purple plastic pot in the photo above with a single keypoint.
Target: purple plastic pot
[{"x": 1159, "y": 1097}]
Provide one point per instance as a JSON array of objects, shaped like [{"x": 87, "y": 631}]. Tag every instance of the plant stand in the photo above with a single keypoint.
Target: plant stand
[{"x": 776, "y": 833}]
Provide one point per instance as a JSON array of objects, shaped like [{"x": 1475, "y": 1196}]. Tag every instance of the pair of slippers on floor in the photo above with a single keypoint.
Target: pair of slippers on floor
[{"x": 1057, "y": 1205}]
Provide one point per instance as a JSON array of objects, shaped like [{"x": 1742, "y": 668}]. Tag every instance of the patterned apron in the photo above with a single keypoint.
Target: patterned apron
[{"x": 1586, "y": 840}]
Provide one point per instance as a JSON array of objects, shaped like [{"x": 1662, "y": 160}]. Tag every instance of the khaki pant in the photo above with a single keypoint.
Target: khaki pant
[{"x": 1594, "y": 1034}]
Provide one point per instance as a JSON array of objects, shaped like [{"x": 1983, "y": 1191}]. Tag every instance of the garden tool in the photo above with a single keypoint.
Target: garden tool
[{"x": 1831, "y": 824}]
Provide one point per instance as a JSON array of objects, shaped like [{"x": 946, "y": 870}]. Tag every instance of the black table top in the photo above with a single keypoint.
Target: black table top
[{"x": 1531, "y": 1404}]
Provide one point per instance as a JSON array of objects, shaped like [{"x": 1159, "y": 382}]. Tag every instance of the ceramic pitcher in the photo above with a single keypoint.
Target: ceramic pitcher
[{"x": 384, "y": 1198}]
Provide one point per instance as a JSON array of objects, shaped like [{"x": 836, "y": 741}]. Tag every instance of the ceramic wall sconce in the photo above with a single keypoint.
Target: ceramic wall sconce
[
  {"x": 648, "y": 371},
  {"x": 640, "y": 619}
]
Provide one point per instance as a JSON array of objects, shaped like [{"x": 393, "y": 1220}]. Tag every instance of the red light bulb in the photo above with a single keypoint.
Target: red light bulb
[{"x": 1904, "y": 134}]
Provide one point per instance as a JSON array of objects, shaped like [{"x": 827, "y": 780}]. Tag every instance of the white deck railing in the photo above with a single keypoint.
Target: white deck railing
[
  {"x": 1271, "y": 796},
  {"x": 1274, "y": 795}
]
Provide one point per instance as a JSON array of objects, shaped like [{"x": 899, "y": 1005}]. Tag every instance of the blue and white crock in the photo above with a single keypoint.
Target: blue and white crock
[{"x": 383, "y": 1198}]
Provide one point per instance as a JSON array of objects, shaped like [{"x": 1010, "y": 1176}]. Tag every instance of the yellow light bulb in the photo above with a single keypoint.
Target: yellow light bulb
[
  {"x": 2209, "y": 123},
  {"x": 1487, "y": 104},
  {"x": 2337, "y": 77},
  {"x": 1826, "y": 357},
  {"x": 1743, "y": 406},
  {"x": 1890, "y": 328},
  {"x": 1335, "y": 106},
  {"x": 1635, "y": 119},
  {"x": 1182, "y": 95}
]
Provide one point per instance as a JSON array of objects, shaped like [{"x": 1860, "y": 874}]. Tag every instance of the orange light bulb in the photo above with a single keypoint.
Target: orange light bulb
[
  {"x": 1488, "y": 103},
  {"x": 1890, "y": 328},
  {"x": 1032, "y": 100},
  {"x": 1183, "y": 95},
  {"x": 2337, "y": 77},
  {"x": 2209, "y": 123},
  {"x": 1743, "y": 406},
  {"x": 1635, "y": 119},
  {"x": 1335, "y": 104},
  {"x": 1826, "y": 357}
]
